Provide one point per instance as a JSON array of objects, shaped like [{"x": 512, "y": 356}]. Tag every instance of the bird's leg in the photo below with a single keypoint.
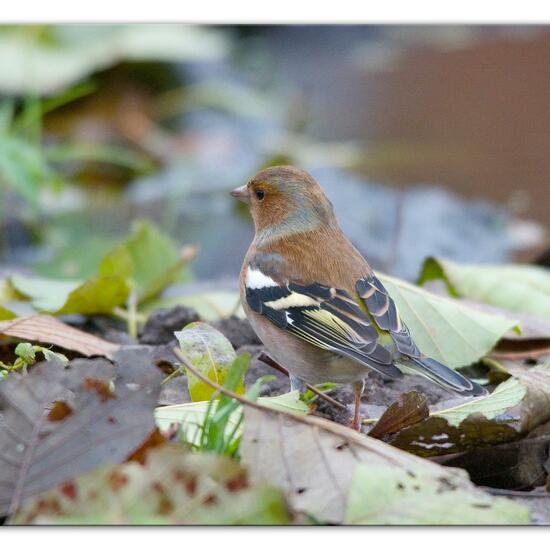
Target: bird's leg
[
  {"x": 297, "y": 384},
  {"x": 358, "y": 388}
]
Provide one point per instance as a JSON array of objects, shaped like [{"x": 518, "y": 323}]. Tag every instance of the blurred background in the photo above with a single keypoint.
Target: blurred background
[{"x": 430, "y": 140}]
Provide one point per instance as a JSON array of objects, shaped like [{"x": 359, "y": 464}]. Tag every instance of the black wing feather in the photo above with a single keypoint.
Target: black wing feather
[{"x": 384, "y": 312}]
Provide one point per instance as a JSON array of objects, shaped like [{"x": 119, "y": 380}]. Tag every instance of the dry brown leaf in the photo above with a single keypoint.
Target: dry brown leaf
[
  {"x": 314, "y": 461},
  {"x": 48, "y": 330},
  {"x": 409, "y": 409}
]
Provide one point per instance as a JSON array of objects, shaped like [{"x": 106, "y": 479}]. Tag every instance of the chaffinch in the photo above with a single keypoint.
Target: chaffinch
[{"x": 313, "y": 299}]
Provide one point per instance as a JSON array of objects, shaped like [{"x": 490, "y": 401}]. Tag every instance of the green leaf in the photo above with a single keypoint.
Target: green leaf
[
  {"x": 504, "y": 397},
  {"x": 211, "y": 353},
  {"x": 148, "y": 258},
  {"x": 521, "y": 288},
  {"x": 73, "y": 52},
  {"x": 384, "y": 495},
  {"x": 448, "y": 331},
  {"x": 6, "y": 314},
  {"x": 174, "y": 486},
  {"x": 26, "y": 351},
  {"x": 100, "y": 294},
  {"x": 146, "y": 261}
]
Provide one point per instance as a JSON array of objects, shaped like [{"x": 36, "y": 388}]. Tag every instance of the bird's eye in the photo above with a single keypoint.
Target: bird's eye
[{"x": 260, "y": 194}]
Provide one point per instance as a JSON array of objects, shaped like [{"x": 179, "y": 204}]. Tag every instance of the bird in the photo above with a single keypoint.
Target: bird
[{"x": 314, "y": 300}]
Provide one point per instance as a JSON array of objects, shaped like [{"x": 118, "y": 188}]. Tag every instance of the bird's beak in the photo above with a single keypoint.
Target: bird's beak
[{"x": 241, "y": 193}]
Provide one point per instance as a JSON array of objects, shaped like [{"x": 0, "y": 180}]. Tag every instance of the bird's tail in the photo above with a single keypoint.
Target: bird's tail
[{"x": 445, "y": 377}]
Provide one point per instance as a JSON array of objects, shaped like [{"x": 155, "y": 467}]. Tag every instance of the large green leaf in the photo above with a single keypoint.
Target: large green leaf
[
  {"x": 211, "y": 353},
  {"x": 504, "y": 397},
  {"x": 148, "y": 258},
  {"x": 521, "y": 288},
  {"x": 443, "y": 328},
  {"x": 174, "y": 486},
  {"x": 100, "y": 294},
  {"x": 146, "y": 262},
  {"x": 49, "y": 61},
  {"x": 384, "y": 495}
]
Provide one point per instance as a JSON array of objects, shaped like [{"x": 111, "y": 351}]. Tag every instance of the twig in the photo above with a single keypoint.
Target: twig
[
  {"x": 527, "y": 354},
  {"x": 179, "y": 354},
  {"x": 272, "y": 363},
  {"x": 512, "y": 493}
]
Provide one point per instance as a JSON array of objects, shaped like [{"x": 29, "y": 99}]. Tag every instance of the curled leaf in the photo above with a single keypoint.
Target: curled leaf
[
  {"x": 410, "y": 408},
  {"x": 211, "y": 353}
]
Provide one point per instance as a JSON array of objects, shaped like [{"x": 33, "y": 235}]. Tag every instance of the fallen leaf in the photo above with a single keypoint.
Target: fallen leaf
[
  {"x": 522, "y": 288},
  {"x": 154, "y": 440},
  {"x": 69, "y": 52},
  {"x": 382, "y": 495},
  {"x": 191, "y": 416},
  {"x": 518, "y": 465},
  {"x": 316, "y": 462},
  {"x": 533, "y": 327},
  {"x": 48, "y": 330},
  {"x": 148, "y": 259},
  {"x": 411, "y": 408},
  {"x": 521, "y": 404},
  {"x": 37, "y": 453},
  {"x": 211, "y": 353},
  {"x": 145, "y": 262},
  {"x": 174, "y": 486},
  {"x": 98, "y": 294},
  {"x": 445, "y": 329},
  {"x": 505, "y": 396}
]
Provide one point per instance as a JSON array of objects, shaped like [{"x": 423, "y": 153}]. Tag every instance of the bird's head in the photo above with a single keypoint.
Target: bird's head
[{"x": 284, "y": 200}]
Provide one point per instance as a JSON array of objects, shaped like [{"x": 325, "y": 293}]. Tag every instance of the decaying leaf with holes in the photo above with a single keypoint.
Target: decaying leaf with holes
[{"x": 174, "y": 486}]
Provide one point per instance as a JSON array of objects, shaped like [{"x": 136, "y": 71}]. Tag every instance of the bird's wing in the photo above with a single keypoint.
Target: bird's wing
[
  {"x": 324, "y": 316},
  {"x": 383, "y": 310}
]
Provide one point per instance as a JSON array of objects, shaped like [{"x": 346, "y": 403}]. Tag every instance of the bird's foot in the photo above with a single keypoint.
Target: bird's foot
[{"x": 358, "y": 388}]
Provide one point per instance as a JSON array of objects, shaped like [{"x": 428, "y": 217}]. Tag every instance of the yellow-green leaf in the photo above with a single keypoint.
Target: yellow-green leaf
[
  {"x": 521, "y": 288},
  {"x": 504, "y": 397},
  {"x": 211, "y": 353},
  {"x": 99, "y": 294},
  {"x": 384, "y": 495}
]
